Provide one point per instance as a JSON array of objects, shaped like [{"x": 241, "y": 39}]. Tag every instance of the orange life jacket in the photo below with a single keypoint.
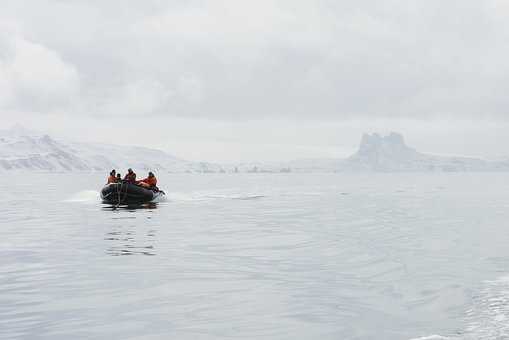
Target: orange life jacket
[
  {"x": 152, "y": 181},
  {"x": 112, "y": 179}
]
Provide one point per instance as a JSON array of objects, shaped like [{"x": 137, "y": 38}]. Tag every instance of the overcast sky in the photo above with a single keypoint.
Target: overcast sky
[{"x": 259, "y": 80}]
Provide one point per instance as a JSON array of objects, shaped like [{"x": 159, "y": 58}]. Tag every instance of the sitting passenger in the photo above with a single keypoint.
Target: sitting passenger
[
  {"x": 111, "y": 177},
  {"x": 119, "y": 178},
  {"x": 149, "y": 182},
  {"x": 130, "y": 177}
]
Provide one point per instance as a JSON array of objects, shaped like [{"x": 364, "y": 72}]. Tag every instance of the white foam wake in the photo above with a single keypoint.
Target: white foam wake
[
  {"x": 488, "y": 317},
  {"x": 210, "y": 196},
  {"x": 160, "y": 199},
  {"x": 92, "y": 196},
  {"x": 84, "y": 196}
]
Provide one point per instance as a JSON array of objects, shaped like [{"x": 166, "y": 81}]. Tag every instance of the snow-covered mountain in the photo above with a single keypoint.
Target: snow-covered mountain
[{"x": 22, "y": 149}]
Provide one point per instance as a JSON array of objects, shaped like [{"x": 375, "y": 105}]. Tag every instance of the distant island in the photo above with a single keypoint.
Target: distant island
[
  {"x": 21, "y": 149},
  {"x": 391, "y": 154}
]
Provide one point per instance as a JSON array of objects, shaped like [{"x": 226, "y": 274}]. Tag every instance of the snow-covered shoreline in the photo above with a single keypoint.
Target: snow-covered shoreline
[{"x": 21, "y": 149}]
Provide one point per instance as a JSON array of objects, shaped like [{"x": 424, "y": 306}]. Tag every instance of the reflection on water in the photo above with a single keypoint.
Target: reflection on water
[
  {"x": 394, "y": 259},
  {"x": 130, "y": 207},
  {"x": 124, "y": 239}
]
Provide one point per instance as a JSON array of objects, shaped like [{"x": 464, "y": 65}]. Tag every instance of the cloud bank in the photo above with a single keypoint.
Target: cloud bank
[{"x": 240, "y": 61}]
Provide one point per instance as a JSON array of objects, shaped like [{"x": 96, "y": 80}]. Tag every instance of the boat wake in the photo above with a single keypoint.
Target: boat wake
[
  {"x": 202, "y": 196},
  {"x": 488, "y": 317},
  {"x": 93, "y": 196},
  {"x": 85, "y": 196},
  {"x": 236, "y": 197},
  {"x": 160, "y": 199},
  {"x": 433, "y": 337}
]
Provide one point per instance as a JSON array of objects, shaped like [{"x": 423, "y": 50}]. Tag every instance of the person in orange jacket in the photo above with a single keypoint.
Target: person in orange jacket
[
  {"x": 112, "y": 177},
  {"x": 130, "y": 176},
  {"x": 149, "y": 182}
]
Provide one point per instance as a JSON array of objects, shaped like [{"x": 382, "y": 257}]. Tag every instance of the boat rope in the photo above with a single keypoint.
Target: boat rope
[{"x": 119, "y": 193}]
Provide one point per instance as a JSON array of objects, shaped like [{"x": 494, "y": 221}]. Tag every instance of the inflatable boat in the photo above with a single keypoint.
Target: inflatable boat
[{"x": 128, "y": 193}]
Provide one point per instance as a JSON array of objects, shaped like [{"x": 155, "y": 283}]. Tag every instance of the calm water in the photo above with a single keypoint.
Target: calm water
[{"x": 258, "y": 257}]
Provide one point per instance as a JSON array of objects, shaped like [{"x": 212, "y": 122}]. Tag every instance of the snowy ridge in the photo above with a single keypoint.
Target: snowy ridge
[{"x": 21, "y": 149}]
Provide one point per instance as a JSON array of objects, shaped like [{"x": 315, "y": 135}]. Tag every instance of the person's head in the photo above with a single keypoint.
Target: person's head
[
  {"x": 150, "y": 174},
  {"x": 112, "y": 172},
  {"x": 118, "y": 176},
  {"x": 130, "y": 170}
]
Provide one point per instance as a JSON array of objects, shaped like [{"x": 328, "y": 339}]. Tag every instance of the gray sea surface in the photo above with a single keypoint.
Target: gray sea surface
[{"x": 257, "y": 256}]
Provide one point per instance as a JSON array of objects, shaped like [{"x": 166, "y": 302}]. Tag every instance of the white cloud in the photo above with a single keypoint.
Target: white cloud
[
  {"x": 140, "y": 97},
  {"x": 322, "y": 63},
  {"x": 34, "y": 76}
]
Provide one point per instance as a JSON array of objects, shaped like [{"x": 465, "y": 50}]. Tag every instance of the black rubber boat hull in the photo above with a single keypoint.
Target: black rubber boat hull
[{"x": 125, "y": 193}]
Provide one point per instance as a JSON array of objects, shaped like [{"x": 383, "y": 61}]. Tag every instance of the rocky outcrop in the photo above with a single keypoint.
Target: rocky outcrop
[{"x": 391, "y": 154}]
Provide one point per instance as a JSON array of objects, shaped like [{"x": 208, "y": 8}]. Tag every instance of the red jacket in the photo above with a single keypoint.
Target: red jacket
[
  {"x": 112, "y": 179},
  {"x": 152, "y": 181}
]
